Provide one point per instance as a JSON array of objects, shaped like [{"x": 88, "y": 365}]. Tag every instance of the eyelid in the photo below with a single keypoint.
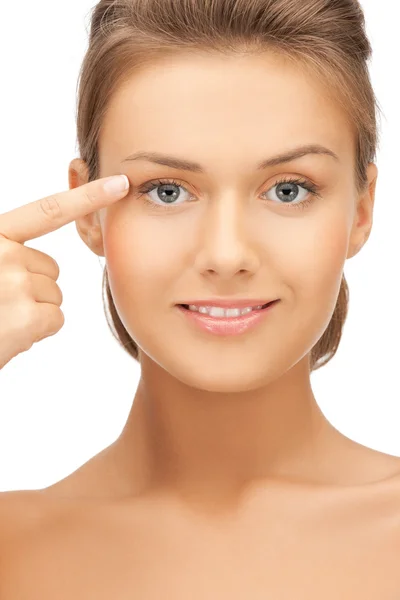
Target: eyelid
[
  {"x": 314, "y": 192},
  {"x": 279, "y": 178}
]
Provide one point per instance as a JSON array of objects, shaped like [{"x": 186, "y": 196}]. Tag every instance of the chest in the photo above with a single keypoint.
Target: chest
[{"x": 153, "y": 559}]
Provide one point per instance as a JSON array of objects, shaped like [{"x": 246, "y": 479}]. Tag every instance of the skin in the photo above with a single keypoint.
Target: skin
[
  {"x": 203, "y": 428},
  {"x": 225, "y": 443}
]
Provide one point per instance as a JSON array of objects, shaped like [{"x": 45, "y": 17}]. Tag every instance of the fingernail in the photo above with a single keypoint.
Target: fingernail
[{"x": 116, "y": 185}]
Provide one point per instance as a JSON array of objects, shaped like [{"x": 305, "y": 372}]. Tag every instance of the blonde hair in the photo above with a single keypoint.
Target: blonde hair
[{"x": 326, "y": 37}]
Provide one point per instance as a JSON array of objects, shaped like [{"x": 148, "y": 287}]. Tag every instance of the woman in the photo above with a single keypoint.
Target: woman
[{"x": 248, "y": 133}]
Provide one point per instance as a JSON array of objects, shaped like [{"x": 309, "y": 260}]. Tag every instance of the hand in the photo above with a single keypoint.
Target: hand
[{"x": 30, "y": 298}]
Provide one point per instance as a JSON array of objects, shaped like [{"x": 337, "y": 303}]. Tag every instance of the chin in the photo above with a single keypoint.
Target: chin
[{"x": 243, "y": 375}]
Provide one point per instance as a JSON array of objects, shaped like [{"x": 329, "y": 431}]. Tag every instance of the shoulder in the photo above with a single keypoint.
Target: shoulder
[
  {"x": 32, "y": 523},
  {"x": 20, "y": 512},
  {"x": 28, "y": 512}
]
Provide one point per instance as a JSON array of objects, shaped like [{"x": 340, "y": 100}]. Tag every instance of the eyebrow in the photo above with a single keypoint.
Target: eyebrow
[{"x": 186, "y": 165}]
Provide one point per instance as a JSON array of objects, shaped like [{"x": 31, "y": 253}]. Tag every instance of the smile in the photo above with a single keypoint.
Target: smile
[{"x": 221, "y": 321}]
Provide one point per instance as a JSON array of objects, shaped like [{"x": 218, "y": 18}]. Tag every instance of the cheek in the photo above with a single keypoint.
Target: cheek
[
  {"x": 330, "y": 246},
  {"x": 316, "y": 271},
  {"x": 143, "y": 251},
  {"x": 143, "y": 262}
]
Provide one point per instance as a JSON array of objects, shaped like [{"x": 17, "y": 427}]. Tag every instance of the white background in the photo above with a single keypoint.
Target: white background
[{"x": 69, "y": 396}]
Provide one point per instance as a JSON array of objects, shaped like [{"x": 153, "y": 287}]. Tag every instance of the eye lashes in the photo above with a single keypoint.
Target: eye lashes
[{"x": 312, "y": 188}]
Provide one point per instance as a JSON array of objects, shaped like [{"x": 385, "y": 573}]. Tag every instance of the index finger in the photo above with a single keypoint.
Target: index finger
[{"x": 48, "y": 214}]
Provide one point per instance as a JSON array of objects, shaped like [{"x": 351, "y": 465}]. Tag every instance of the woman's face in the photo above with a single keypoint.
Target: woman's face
[{"x": 227, "y": 231}]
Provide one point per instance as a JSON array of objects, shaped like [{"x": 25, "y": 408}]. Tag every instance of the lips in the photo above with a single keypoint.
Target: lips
[
  {"x": 225, "y": 326},
  {"x": 263, "y": 306}
]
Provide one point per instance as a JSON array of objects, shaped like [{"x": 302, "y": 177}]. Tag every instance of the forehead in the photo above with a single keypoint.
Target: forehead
[{"x": 254, "y": 104}]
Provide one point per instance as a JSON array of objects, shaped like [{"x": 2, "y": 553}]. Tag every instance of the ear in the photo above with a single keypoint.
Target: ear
[
  {"x": 363, "y": 218},
  {"x": 88, "y": 227}
]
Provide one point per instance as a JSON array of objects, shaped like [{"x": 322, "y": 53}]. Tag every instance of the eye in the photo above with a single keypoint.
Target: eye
[
  {"x": 166, "y": 195},
  {"x": 286, "y": 192}
]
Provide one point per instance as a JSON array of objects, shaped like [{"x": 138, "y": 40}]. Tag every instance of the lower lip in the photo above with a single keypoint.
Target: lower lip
[{"x": 227, "y": 325}]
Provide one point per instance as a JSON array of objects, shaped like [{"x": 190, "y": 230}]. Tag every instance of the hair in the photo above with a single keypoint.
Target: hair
[{"x": 325, "y": 37}]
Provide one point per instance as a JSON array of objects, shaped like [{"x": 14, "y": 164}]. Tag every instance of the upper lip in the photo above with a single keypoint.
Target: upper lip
[{"x": 229, "y": 303}]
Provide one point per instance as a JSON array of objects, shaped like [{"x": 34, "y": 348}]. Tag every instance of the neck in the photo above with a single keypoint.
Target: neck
[{"x": 199, "y": 444}]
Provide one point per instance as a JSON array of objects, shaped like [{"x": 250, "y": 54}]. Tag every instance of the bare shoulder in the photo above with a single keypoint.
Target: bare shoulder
[
  {"x": 35, "y": 514},
  {"x": 20, "y": 512},
  {"x": 25, "y": 513}
]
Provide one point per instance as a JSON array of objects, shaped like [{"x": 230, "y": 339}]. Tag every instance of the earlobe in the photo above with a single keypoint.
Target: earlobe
[
  {"x": 355, "y": 249},
  {"x": 90, "y": 234}
]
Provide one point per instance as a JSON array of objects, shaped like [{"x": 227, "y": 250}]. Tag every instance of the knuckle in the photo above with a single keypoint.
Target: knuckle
[
  {"x": 56, "y": 267},
  {"x": 90, "y": 197},
  {"x": 25, "y": 325},
  {"x": 22, "y": 282},
  {"x": 28, "y": 318},
  {"x": 58, "y": 321},
  {"x": 51, "y": 264},
  {"x": 15, "y": 283},
  {"x": 62, "y": 319},
  {"x": 58, "y": 296},
  {"x": 50, "y": 208},
  {"x": 7, "y": 250}
]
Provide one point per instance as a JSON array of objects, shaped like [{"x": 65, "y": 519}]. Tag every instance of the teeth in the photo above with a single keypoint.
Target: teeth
[{"x": 216, "y": 311}]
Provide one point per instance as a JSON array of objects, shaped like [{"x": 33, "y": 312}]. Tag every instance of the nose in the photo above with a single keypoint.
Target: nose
[{"x": 227, "y": 243}]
